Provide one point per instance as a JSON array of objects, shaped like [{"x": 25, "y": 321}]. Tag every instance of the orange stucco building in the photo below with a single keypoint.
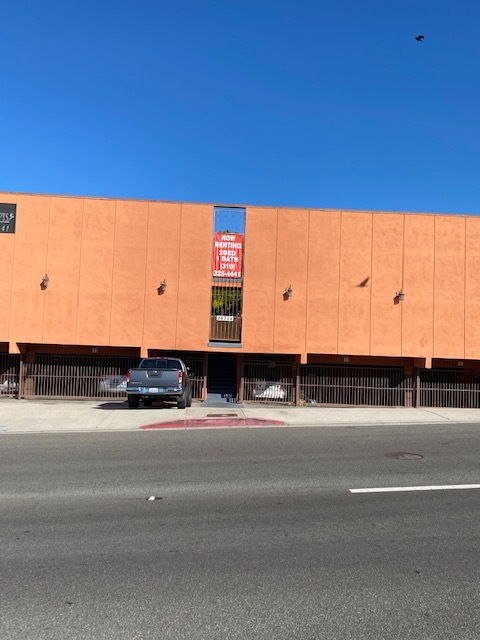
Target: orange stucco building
[{"x": 105, "y": 259}]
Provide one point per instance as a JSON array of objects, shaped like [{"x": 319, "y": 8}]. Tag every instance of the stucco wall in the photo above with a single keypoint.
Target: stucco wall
[{"x": 106, "y": 258}]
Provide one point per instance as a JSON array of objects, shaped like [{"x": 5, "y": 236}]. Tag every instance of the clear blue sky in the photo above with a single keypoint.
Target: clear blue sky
[{"x": 306, "y": 103}]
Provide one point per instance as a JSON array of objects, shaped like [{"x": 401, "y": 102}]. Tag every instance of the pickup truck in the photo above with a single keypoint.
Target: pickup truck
[{"x": 159, "y": 378}]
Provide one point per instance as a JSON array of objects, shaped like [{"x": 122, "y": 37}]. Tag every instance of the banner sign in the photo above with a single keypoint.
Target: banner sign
[
  {"x": 8, "y": 213},
  {"x": 227, "y": 255}
]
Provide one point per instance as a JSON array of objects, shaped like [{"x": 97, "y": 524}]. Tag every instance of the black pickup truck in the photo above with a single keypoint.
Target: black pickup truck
[{"x": 159, "y": 378}]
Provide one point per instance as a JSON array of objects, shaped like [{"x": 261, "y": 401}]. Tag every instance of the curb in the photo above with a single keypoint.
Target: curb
[{"x": 215, "y": 423}]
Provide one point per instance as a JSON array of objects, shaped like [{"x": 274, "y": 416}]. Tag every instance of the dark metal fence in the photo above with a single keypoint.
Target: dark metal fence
[
  {"x": 358, "y": 386},
  {"x": 66, "y": 376},
  {"x": 264, "y": 380},
  {"x": 9, "y": 374},
  {"x": 449, "y": 388},
  {"x": 268, "y": 381}
]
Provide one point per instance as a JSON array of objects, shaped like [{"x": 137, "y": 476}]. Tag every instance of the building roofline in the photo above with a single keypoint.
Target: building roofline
[{"x": 238, "y": 205}]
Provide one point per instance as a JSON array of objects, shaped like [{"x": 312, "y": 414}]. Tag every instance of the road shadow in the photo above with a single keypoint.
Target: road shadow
[
  {"x": 227, "y": 406},
  {"x": 123, "y": 406}
]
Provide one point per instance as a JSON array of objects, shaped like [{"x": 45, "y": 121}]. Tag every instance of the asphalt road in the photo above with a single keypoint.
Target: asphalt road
[{"x": 256, "y": 535}]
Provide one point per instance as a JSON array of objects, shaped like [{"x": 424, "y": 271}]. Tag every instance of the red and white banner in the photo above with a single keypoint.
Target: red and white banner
[{"x": 227, "y": 255}]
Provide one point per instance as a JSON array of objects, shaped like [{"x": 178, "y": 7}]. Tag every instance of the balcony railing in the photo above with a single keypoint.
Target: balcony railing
[{"x": 226, "y": 328}]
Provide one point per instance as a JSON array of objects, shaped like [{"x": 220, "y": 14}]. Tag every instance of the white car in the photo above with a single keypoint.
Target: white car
[
  {"x": 8, "y": 386},
  {"x": 269, "y": 391},
  {"x": 113, "y": 384}
]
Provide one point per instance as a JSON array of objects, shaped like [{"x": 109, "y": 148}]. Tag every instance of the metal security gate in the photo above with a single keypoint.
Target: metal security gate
[
  {"x": 66, "y": 376},
  {"x": 268, "y": 380},
  {"x": 357, "y": 386},
  {"x": 9, "y": 374},
  {"x": 264, "y": 379},
  {"x": 449, "y": 388}
]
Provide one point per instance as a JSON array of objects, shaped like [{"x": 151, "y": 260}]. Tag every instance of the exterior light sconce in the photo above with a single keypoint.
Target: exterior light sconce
[
  {"x": 44, "y": 282},
  {"x": 399, "y": 297},
  {"x": 288, "y": 293},
  {"x": 162, "y": 288}
]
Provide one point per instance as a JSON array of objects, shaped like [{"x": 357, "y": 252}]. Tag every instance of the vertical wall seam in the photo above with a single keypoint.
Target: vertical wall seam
[
  {"x": 403, "y": 283},
  {"x": 145, "y": 278},
  {"x": 433, "y": 286},
  {"x": 371, "y": 288},
  {"x": 113, "y": 273},
  {"x": 339, "y": 279},
  {"x": 307, "y": 281},
  {"x": 276, "y": 282},
  {"x": 46, "y": 265},
  {"x": 465, "y": 288},
  {"x": 79, "y": 271},
  {"x": 11, "y": 286},
  {"x": 178, "y": 275}
]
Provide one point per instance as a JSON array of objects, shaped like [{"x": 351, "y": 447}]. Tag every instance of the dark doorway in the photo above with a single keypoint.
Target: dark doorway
[{"x": 222, "y": 378}]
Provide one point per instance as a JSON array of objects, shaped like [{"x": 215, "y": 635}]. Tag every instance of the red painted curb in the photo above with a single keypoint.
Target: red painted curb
[{"x": 213, "y": 422}]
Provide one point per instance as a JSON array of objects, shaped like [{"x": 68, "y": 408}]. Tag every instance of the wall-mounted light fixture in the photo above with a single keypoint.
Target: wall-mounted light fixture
[
  {"x": 399, "y": 296},
  {"x": 44, "y": 282},
  {"x": 162, "y": 288},
  {"x": 288, "y": 293}
]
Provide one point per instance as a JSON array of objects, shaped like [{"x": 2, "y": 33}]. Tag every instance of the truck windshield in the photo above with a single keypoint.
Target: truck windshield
[{"x": 160, "y": 364}]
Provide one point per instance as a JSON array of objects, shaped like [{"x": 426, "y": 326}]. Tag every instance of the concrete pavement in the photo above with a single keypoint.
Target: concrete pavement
[{"x": 25, "y": 416}]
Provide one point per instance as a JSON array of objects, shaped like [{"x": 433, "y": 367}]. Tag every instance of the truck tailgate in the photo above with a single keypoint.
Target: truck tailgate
[{"x": 161, "y": 379}]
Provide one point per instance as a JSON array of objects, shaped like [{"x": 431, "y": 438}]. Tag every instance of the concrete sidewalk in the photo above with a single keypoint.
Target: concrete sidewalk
[{"x": 24, "y": 416}]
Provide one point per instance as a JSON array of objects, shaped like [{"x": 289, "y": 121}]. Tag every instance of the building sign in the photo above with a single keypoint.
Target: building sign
[
  {"x": 8, "y": 214},
  {"x": 227, "y": 255}
]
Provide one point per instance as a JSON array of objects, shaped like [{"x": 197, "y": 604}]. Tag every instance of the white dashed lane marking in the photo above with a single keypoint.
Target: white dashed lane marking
[{"x": 439, "y": 487}]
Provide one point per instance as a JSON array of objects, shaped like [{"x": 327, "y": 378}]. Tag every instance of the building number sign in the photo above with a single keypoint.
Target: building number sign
[{"x": 8, "y": 214}]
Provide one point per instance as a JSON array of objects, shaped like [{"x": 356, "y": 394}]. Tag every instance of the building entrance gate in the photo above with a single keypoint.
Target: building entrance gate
[{"x": 222, "y": 377}]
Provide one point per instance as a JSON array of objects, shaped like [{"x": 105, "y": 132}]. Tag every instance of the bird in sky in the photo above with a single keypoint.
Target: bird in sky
[{"x": 419, "y": 38}]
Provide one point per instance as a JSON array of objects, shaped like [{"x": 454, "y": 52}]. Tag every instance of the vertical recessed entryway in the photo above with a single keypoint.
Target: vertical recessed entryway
[
  {"x": 227, "y": 275},
  {"x": 221, "y": 378}
]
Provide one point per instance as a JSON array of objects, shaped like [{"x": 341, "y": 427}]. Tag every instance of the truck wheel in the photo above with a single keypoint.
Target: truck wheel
[
  {"x": 133, "y": 402},
  {"x": 182, "y": 402},
  {"x": 147, "y": 402},
  {"x": 189, "y": 401}
]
